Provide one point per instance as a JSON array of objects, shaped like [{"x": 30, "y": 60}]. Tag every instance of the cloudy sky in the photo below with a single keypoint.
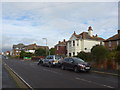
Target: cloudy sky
[{"x": 29, "y": 22}]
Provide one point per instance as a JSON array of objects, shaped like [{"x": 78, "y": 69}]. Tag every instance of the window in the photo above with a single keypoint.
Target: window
[
  {"x": 109, "y": 43},
  {"x": 85, "y": 48},
  {"x": 66, "y": 59},
  {"x": 73, "y": 53},
  {"x": 73, "y": 43},
  {"x": 70, "y": 60},
  {"x": 69, "y": 44},
  {"x": 77, "y": 43},
  {"x": 69, "y": 54},
  {"x": 57, "y": 48},
  {"x": 117, "y": 43}
]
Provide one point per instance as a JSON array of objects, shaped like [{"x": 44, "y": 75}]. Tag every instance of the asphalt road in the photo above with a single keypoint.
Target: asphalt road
[{"x": 44, "y": 77}]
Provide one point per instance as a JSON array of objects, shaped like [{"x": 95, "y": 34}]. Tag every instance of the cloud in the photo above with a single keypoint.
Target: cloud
[{"x": 29, "y": 23}]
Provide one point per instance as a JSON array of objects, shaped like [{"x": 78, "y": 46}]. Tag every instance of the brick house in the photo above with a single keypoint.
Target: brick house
[
  {"x": 60, "y": 48},
  {"x": 31, "y": 48},
  {"x": 17, "y": 49},
  {"x": 112, "y": 42},
  {"x": 27, "y": 48}
]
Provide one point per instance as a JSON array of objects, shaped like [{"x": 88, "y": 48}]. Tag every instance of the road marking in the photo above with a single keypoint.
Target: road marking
[
  {"x": 52, "y": 71},
  {"x": 19, "y": 76},
  {"x": 106, "y": 73},
  {"x": 94, "y": 82}
]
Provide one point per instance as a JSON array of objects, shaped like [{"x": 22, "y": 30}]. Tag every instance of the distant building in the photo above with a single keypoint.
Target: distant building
[
  {"x": 17, "y": 49},
  {"x": 82, "y": 42},
  {"x": 27, "y": 48},
  {"x": 31, "y": 48},
  {"x": 112, "y": 42},
  {"x": 60, "y": 48},
  {"x": 7, "y": 53}
]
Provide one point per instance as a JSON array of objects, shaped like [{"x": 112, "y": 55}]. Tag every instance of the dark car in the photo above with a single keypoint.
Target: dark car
[
  {"x": 52, "y": 60},
  {"x": 40, "y": 61},
  {"x": 76, "y": 64}
]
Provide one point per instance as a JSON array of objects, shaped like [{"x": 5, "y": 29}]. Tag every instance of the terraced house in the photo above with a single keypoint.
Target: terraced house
[{"x": 82, "y": 42}]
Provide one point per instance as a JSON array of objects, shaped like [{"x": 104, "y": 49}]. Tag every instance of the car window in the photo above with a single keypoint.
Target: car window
[
  {"x": 78, "y": 60},
  {"x": 66, "y": 59},
  {"x": 70, "y": 60},
  {"x": 51, "y": 57},
  {"x": 57, "y": 57}
]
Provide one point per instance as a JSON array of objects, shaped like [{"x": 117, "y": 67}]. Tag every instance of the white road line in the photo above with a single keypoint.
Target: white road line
[
  {"x": 18, "y": 76},
  {"x": 93, "y": 82},
  {"x": 52, "y": 71}
]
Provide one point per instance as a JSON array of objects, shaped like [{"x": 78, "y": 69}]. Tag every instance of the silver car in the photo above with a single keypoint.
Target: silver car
[{"x": 52, "y": 60}]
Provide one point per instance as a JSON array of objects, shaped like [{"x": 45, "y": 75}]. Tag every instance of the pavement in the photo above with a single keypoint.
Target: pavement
[{"x": 45, "y": 77}]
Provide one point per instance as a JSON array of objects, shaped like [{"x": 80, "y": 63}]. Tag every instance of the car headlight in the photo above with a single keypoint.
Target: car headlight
[{"x": 81, "y": 65}]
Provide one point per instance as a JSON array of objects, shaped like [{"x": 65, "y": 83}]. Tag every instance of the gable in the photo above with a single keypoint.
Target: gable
[{"x": 73, "y": 37}]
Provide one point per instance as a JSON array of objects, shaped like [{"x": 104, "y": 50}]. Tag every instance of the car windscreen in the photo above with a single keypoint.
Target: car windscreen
[
  {"x": 58, "y": 57},
  {"x": 78, "y": 60}
]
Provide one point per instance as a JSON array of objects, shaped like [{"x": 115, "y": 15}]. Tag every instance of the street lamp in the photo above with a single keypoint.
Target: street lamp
[{"x": 46, "y": 44}]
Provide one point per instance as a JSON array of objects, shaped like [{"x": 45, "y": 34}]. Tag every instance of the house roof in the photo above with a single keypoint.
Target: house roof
[
  {"x": 63, "y": 43},
  {"x": 115, "y": 37},
  {"x": 20, "y": 45},
  {"x": 34, "y": 46},
  {"x": 85, "y": 35}
]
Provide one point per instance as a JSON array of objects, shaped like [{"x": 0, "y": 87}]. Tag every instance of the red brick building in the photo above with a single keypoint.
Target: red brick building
[
  {"x": 27, "y": 48},
  {"x": 112, "y": 42},
  {"x": 60, "y": 48}
]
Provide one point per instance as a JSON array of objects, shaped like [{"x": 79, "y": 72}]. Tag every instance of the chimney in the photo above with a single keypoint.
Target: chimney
[
  {"x": 59, "y": 42},
  {"x": 118, "y": 34},
  {"x": 74, "y": 33},
  {"x": 64, "y": 40},
  {"x": 96, "y": 35},
  {"x": 90, "y": 31}
]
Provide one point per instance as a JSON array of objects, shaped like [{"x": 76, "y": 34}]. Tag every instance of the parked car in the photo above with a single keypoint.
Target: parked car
[
  {"x": 52, "y": 60},
  {"x": 40, "y": 61},
  {"x": 75, "y": 64}
]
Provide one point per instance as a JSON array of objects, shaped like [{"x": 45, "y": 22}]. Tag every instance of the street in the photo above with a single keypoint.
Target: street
[{"x": 38, "y": 76}]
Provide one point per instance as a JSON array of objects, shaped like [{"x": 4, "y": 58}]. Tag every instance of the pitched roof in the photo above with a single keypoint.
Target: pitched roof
[
  {"x": 85, "y": 35},
  {"x": 115, "y": 37},
  {"x": 63, "y": 43}
]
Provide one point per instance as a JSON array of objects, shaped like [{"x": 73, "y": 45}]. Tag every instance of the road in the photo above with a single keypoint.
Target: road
[{"x": 44, "y": 77}]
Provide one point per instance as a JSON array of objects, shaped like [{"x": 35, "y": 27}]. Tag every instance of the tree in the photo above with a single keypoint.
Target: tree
[
  {"x": 52, "y": 51},
  {"x": 22, "y": 54},
  {"x": 25, "y": 54},
  {"x": 85, "y": 56},
  {"x": 99, "y": 52},
  {"x": 40, "y": 52},
  {"x": 118, "y": 54}
]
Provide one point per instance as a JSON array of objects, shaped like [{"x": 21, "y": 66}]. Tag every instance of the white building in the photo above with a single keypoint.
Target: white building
[{"x": 82, "y": 42}]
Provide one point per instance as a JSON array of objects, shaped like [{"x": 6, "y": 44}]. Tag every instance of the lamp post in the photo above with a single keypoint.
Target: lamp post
[{"x": 46, "y": 44}]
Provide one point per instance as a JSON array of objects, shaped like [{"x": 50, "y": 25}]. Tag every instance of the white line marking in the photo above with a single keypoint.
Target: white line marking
[
  {"x": 19, "y": 76},
  {"x": 52, "y": 71},
  {"x": 93, "y": 82}
]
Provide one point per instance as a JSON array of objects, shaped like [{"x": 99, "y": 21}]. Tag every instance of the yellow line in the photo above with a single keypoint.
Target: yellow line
[{"x": 106, "y": 73}]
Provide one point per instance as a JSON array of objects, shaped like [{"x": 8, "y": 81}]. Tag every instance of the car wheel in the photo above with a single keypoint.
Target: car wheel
[
  {"x": 76, "y": 69},
  {"x": 63, "y": 67},
  {"x": 50, "y": 65}
]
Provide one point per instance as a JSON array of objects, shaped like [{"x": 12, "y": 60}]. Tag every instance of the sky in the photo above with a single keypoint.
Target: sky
[{"x": 29, "y": 22}]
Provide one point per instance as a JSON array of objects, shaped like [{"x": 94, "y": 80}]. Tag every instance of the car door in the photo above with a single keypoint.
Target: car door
[
  {"x": 65, "y": 62},
  {"x": 71, "y": 63}
]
